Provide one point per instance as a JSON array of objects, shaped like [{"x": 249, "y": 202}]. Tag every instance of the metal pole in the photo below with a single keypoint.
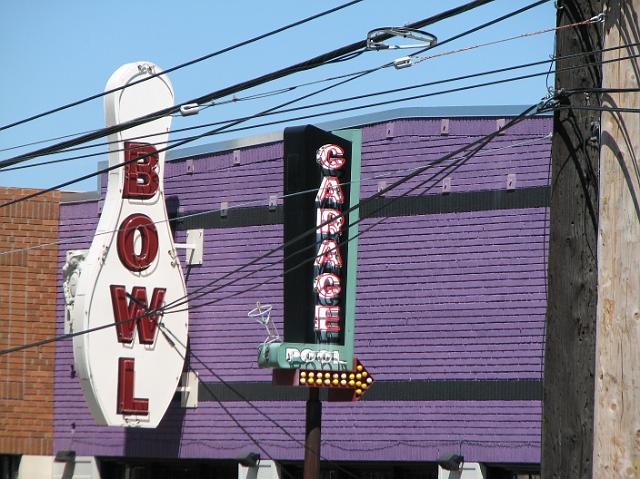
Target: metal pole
[{"x": 312, "y": 438}]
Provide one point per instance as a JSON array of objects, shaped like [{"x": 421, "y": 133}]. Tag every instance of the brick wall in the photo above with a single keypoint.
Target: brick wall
[{"x": 27, "y": 314}]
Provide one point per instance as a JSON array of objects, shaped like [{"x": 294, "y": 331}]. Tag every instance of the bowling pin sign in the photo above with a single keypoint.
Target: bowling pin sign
[{"x": 131, "y": 277}]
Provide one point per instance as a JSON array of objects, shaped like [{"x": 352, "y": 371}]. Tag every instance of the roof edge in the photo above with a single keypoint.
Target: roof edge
[
  {"x": 355, "y": 121},
  {"x": 474, "y": 111}
]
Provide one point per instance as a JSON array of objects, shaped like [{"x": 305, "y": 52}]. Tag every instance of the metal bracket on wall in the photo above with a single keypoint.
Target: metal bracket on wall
[
  {"x": 273, "y": 202},
  {"x": 188, "y": 390},
  {"x": 446, "y": 185},
  {"x": 224, "y": 209},
  {"x": 389, "y": 131},
  {"x": 500, "y": 122},
  {"x": 191, "y": 167},
  {"x": 71, "y": 273},
  {"x": 511, "y": 181},
  {"x": 382, "y": 184},
  {"x": 595, "y": 132},
  {"x": 194, "y": 246},
  {"x": 444, "y": 126},
  {"x": 235, "y": 161}
]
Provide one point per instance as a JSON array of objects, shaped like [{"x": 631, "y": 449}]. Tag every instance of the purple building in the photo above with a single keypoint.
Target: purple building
[{"x": 450, "y": 310}]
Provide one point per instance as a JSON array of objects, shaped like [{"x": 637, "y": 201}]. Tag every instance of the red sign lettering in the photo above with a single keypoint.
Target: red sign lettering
[
  {"x": 135, "y": 313},
  {"x": 331, "y": 157},
  {"x": 330, "y": 189},
  {"x": 333, "y": 226},
  {"x": 148, "y": 239},
  {"x": 127, "y": 403},
  {"x": 326, "y": 317},
  {"x": 330, "y": 224},
  {"x": 328, "y": 253},
  {"x": 140, "y": 177},
  {"x": 327, "y": 286}
]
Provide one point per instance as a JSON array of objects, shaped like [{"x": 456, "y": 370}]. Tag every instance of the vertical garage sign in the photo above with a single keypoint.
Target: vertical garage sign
[{"x": 321, "y": 185}]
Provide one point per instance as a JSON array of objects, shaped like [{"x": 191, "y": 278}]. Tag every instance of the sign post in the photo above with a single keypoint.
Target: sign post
[
  {"x": 321, "y": 186},
  {"x": 313, "y": 429}
]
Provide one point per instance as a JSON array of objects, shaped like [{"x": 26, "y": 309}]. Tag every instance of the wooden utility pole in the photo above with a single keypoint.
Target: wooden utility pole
[
  {"x": 571, "y": 312},
  {"x": 617, "y": 396},
  {"x": 313, "y": 433}
]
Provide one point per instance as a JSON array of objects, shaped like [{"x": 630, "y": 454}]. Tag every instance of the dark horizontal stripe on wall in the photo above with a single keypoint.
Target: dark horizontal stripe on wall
[
  {"x": 503, "y": 390},
  {"x": 535, "y": 197},
  {"x": 235, "y": 218}
]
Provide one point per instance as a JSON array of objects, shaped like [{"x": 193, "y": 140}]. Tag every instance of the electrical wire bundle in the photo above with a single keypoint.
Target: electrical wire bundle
[{"x": 448, "y": 163}]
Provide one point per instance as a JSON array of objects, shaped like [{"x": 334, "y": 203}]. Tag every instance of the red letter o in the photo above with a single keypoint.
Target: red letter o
[{"x": 126, "y": 237}]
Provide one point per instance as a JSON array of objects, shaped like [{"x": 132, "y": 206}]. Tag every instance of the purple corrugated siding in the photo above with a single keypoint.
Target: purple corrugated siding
[
  {"x": 447, "y": 296},
  {"x": 215, "y": 180},
  {"x": 486, "y": 431},
  {"x": 486, "y": 171}
]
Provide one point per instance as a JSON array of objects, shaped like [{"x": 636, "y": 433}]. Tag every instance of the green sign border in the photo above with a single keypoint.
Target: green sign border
[{"x": 274, "y": 355}]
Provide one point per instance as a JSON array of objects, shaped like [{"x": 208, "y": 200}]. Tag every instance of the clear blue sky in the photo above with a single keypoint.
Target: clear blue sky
[{"x": 57, "y": 52}]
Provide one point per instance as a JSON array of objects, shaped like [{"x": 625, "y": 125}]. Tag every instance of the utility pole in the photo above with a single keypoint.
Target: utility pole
[
  {"x": 567, "y": 426},
  {"x": 617, "y": 393},
  {"x": 312, "y": 437}
]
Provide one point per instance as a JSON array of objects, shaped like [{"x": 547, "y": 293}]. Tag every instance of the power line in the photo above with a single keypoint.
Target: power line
[
  {"x": 233, "y": 99},
  {"x": 379, "y": 194},
  {"x": 482, "y": 141},
  {"x": 421, "y": 85},
  {"x": 172, "y": 342},
  {"x": 175, "y": 145},
  {"x": 291, "y": 88},
  {"x": 183, "y": 65},
  {"x": 215, "y": 131},
  {"x": 458, "y": 163},
  {"x": 163, "y": 327},
  {"x": 46, "y": 140},
  {"x": 487, "y": 24},
  {"x": 601, "y": 90},
  {"x": 352, "y": 98},
  {"x": 610, "y": 109},
  {"x": 489, "y": 151},
  {"x": 419, "y": 59},
  {"x": 454, "y": 90},
  {"x": 289, "y": 110},
  {"x": 90, "y": 155},
  {"x": 302, "y": 66}
]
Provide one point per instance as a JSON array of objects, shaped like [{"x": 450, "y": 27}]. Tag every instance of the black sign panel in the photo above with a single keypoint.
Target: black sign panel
[{"x": 317, "y": 174}]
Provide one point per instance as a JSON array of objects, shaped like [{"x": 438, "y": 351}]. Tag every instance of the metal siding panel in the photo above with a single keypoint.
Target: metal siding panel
[{"x": 487, "y": 431}]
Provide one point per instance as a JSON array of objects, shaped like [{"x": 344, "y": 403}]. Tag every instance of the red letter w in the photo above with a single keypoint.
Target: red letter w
[{"x": 135, "y": 313}]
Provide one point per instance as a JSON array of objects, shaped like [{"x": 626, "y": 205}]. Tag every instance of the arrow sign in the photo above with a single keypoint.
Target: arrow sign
[{"x": 342, "y": 386}]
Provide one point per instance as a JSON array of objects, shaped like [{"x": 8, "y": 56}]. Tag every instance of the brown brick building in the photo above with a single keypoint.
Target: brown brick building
[{"x": 28, "y": 275}]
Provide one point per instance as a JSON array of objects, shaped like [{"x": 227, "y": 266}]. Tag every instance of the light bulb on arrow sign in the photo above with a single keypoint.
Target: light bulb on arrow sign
[{"x": 342, "y": 386}]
